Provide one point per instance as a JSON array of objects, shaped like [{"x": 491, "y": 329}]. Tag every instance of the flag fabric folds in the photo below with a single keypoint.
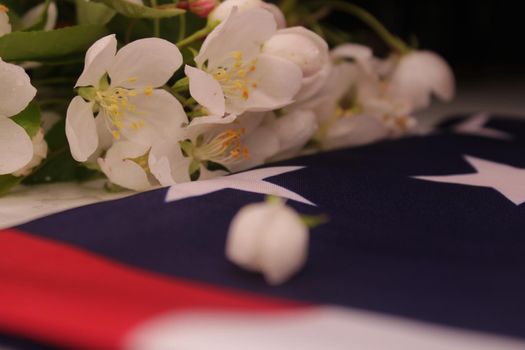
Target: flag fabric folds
[{"x": 424, "y": 248}]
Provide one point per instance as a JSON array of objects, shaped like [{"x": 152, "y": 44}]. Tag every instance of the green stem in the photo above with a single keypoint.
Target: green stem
[
  {"x": 287, "y": 6},
  {"x": 182, "y": 27},
  {"x": 198, "y": 35},
  {"x": 393, "y": 41},
  {"x": 156, "y": 21}
]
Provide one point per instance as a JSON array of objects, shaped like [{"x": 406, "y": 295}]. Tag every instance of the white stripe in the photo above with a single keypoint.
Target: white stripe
[{"x": 326, "y": 328}]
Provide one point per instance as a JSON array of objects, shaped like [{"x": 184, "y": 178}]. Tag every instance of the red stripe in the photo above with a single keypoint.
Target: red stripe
[{"x": 59, "y": 294}]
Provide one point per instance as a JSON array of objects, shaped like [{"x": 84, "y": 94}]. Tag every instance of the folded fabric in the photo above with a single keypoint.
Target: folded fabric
[{"x": 424, "y": 249}]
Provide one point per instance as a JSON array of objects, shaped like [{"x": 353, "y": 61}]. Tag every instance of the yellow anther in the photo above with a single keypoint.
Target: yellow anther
[
  {"x": 245, "y": 94},
  {"x": 116, "y": 134},
  {"x": 237, "y": 55},
  {"x": 220, "y": 74},
  {"x": 246, "y": 153},
  {"x": 133, "y": 79},
  {"x": 132, "y": 93},
  {"x": 148, "y": 91}
]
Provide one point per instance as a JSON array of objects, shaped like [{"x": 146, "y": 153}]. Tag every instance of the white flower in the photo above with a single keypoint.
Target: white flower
[
  {"x": 354, "y": 107},
  {"x": 16, "y": 147},
  {"x": 269, "y": 238},
  {"x": 233, "y": 76},
  {"x": 120, "y": 88},
  {"x": 39, "y": 154},
  {"x": 126, "y": 164},
  {"x": 225, "y": 8},
  {"x": 309, "y": 51},
  {"x": 33, "y": 15},
  {"x": 235, "y": 146},
  {"x": 293, "y": 129},
  {"x": 418, "y": 75},
  {"x": 5, "y": 25}
]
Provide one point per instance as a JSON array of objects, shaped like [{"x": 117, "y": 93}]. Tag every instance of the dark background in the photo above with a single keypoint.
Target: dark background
[{"x": 481, "y": 37}]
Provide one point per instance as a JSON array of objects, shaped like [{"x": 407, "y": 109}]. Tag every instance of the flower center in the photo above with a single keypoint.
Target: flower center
[
  {"x": 115, "y": 101},
  {"x": 224, "y": 148},
  {"x": 235, "y": 79}
]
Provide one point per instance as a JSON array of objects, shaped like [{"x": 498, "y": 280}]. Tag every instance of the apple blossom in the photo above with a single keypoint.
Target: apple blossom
[
  {"x": 419, "y": 74},
  {"x": 309, "y": 51},
  {"x": 122, "y": 89},
  {"x": 234, "y": 76},
  {"x": 225, "y": 8},
  {"x": 269, "y": 238},
  {"x": 210, "y": 147},
  {"x": 16, "y": 147},
  {"x": 355, "y": 108},
  {"x": 5, "y": 25}
]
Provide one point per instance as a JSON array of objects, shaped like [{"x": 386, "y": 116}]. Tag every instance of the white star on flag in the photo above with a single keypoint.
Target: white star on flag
[
  {"x": 506, "y": 179},
  {"x": 475, "y": 125},
  {"x": 250, "y": 181}
]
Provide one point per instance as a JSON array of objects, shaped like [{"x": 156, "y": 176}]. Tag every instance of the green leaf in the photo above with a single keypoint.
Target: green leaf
[
  {"x": 60, "y": 167},
  {"x": 132, "y": 10},
  {"x": 90, "y": 13},
  {"x": 7, "y": 182},
  {"x": 49, "y": 45},
  {"x": 29, "y": 119}
]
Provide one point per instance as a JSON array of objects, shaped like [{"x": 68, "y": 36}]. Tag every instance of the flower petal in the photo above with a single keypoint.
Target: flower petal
[
  {"x": 16, "y": 148},
  {"x": 5, "y": 26},
  {"x": 17, "y": 90},
  {"x": 206, "y": 91},
  {"x": 161, "y": 115},
  {"x": 98, "y": 59},
  {"x": 121, "y": 170},
  {"x": 294, "y": 130},
  {"x": 279, "y": 80},
  {"x": 145, "y": 62},
  {"x": 81, "y": 129},
  {"x": 168, "y": 164},
  {"x": 243, "y": 32},
  {"x": 262, "y": 144},
  {"x": 33, "y": 15}
]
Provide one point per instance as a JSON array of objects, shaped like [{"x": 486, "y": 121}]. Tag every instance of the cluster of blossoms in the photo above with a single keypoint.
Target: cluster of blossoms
[{"x": 259, "y": 92}]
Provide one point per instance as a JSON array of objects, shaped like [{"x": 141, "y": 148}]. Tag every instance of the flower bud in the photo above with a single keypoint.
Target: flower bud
[
  {"x": 225, "y": 8},
  {"x": 201, "y": 8},
  {"x": 306, "y": 49},
  {"x": 269, "y": 238},
  {"x": 418, "y": 75},
  {"x": 39, "y": 154}
]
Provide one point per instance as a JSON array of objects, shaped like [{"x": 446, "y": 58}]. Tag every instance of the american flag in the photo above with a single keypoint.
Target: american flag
[{"x": 425, "y": 249}]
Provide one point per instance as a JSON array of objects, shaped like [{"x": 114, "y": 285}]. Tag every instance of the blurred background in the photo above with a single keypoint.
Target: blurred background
[{"x": 482, "y": 40}]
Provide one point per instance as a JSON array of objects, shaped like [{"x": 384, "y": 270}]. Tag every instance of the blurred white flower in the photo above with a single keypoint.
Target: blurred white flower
[
  {"x": 16, "y": 147},
  {"x": 269, "y": 238},
  {"x": 293, "y": 130},
  {"x": 123, "y": 90},
  {"x": 309, "y": 51},
  {"x": 225, "y": 8},
  {"x": 39, "y": 154},
  {"x": 32, "y": 16},
  {"x": 233, "y": 76},
  {"x": 5, "y": 25},
  {"x": 420, "y": 74},
  {"x": 356, "y": 106}
]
